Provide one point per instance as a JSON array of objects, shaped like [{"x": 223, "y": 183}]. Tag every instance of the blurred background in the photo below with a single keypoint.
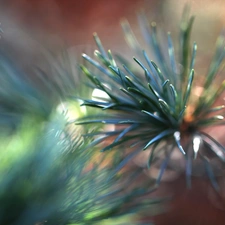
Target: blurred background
[
  {"x": 29, "y": 24},
  {"x": 74, "y": 20}
]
